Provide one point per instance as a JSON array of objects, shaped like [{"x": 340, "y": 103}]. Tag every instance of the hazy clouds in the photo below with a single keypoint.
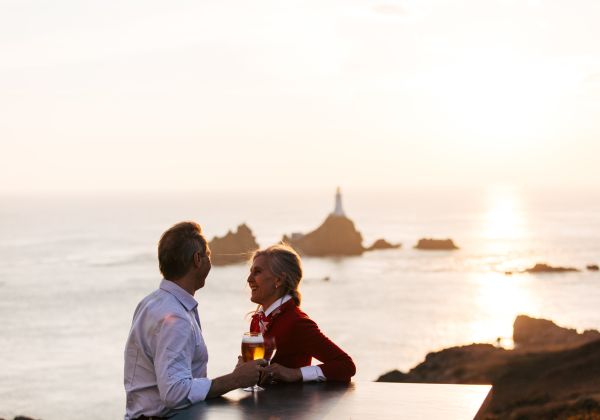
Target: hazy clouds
[{"x": 140, "y": 95}]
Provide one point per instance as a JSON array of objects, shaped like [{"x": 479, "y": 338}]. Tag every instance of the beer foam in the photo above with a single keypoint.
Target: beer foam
[{"x": 253, "y": 339}]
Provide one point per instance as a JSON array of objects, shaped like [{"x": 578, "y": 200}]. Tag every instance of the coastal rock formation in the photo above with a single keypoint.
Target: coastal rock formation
[
  {"x": 542, "y": 378},
  {"x": 545, "y": 268},
  {"x": 21, "y": 418},
  {"x": 592, "y": 267},
  {"x": 429, "y": 244},
  {"x": 336, "y": 236},
  {"x": 534, "y": 334},
  {"x": 470, "y": 364},
  {"x": 382, "y": 244},
  {"x": 561, "y": 384},
  {"x": 233, "y": 247}
]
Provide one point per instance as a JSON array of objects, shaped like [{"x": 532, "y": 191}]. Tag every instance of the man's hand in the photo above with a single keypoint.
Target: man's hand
[
  {"x": 247, "y": 374},
  {"x": 277, "y": 373},
  {"x": 244, "y": 375}
]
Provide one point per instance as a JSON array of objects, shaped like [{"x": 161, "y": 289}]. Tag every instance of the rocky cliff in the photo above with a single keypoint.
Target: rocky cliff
[
  {"x": 533, "y": 334},
  {"x": 553, "y": 372}
]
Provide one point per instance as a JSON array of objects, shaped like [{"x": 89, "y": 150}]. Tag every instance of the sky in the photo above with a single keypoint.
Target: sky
[{"x": 152, "y": 95}]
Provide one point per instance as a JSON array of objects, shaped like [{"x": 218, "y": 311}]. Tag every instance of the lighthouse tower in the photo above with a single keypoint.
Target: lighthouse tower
[{"x": 338, "y": 211}]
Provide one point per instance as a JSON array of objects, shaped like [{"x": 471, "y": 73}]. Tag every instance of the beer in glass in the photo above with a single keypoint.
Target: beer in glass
[{"x": 253, "y": 346}]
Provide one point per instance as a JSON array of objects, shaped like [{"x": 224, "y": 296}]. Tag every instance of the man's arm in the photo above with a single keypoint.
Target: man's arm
[
  {"x": 244, "y": 375},
  {"x": 177, "y": 387},
  {"x": 175, "y": 347}
]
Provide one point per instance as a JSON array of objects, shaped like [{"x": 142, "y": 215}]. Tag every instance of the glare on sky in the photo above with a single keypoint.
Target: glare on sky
[{"x": 153, "y": 95}]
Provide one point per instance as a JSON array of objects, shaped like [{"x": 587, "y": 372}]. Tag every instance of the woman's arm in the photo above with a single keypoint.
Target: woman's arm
[{"x": 336, "y": 365}]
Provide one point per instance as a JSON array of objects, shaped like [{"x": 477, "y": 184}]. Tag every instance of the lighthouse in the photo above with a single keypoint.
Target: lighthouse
[{"x": 338, "y": 211}]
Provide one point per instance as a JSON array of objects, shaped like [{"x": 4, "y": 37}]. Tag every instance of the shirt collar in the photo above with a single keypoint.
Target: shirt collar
[
  {"x": 181, "y": 295},
  {"x": 277, "y": 304}
]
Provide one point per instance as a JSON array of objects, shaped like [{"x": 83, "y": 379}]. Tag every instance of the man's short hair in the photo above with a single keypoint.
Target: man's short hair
[{"x": 177, "y": 247}]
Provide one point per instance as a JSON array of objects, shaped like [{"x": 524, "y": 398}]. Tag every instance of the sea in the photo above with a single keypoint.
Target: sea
[{"x": 74, "y": 266}]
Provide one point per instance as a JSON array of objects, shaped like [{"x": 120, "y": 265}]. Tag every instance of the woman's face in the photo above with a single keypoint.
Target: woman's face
[{"x": 265, "y": 287}]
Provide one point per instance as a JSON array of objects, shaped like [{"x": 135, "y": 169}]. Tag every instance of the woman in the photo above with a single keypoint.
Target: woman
[{"x": 274, "y": 278}]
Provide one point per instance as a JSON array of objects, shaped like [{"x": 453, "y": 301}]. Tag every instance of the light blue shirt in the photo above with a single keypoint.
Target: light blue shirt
[{"x": 165, "y": 354}]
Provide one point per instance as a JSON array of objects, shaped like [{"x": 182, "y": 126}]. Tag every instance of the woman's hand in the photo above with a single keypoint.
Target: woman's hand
[
  {"x": 277, "y": 373},
  {"x": 240, "y": 361}
]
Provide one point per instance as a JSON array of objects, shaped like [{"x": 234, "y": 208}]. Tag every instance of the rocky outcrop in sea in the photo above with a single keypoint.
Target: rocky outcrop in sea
[
  {"x": 21, "y": 418},
  {"x": 234, "y": 247},
  {"x": 380, "y": 244},
  {"x": 542, "y": 268},
  {"x": 429, "y": 244},
  {"x": 553, "y": 372},
  {"x": 545, "y": 268},
  {"x": 337, "y": 236}
]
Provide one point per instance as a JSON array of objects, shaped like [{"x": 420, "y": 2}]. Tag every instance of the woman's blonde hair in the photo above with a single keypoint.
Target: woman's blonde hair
[{"x": 284, "y": 262}]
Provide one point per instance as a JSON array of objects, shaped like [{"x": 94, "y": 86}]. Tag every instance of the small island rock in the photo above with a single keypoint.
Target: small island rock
[
  {"x": 233, "y": 247},
  {"x": 545, "y": 268},
  {"x": 592, "y": 267},
  {"x": 429, "y": 244},
  {"x": 382, "y": 244}
]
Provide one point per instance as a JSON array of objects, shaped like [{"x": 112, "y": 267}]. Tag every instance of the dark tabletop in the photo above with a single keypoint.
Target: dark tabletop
[{"x": 357, "y": 400}]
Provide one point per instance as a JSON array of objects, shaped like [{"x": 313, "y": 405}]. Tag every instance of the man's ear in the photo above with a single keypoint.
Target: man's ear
[{"x": 197, "y": 259}]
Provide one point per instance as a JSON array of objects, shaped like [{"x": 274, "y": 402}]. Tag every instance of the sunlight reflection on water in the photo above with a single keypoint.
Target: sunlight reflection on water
[{"x": 499, "y": 300}]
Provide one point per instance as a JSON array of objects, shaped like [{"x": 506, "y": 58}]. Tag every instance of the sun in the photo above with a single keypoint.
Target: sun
[{"x": 505, "y": 217}]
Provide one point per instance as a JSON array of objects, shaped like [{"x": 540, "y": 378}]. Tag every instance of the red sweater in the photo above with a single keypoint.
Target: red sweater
[{"x": 299, "y": 339}]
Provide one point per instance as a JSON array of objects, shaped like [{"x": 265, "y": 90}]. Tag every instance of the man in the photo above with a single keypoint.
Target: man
[{"x": 165, "y": 354}]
